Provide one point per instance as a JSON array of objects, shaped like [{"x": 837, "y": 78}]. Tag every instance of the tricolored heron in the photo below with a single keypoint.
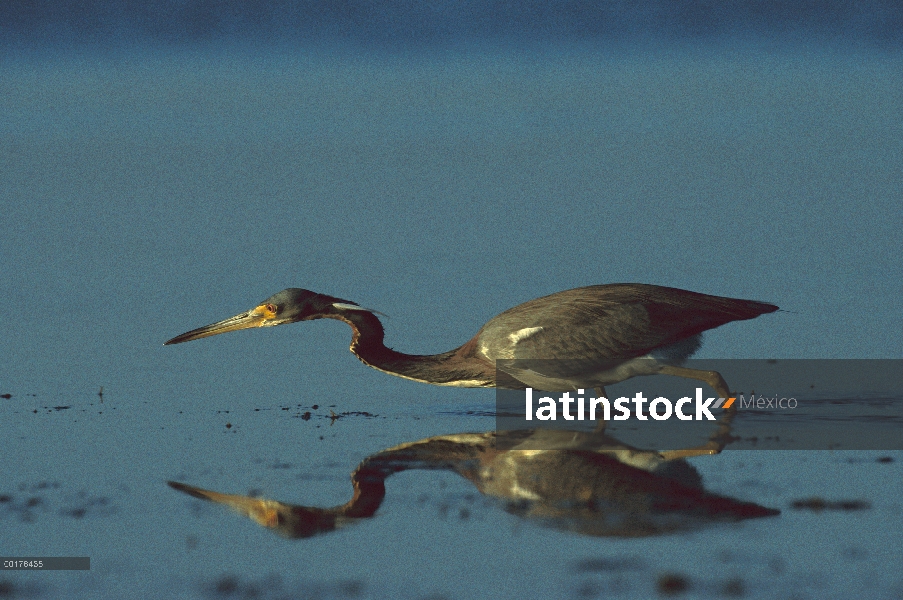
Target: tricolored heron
[{"x": 598, "y": 335}]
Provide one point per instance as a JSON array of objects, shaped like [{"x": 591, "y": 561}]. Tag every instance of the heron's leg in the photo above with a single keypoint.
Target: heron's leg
[
  {"x": 713, "y": 378},
  {"x": 600, "y": 422},
  {"x": 721, "y": 437},
  {"x": 716, "y": 442}
]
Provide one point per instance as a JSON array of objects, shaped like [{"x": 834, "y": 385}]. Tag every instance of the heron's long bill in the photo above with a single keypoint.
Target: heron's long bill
[{"x": 258, "y": 317}]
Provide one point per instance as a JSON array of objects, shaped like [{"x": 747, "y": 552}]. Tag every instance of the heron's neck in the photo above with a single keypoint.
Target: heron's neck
[{"x": 457, "y": 367}]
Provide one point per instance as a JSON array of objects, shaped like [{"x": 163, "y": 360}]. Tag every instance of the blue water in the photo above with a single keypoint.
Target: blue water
[{"x": 151, "y": 188}]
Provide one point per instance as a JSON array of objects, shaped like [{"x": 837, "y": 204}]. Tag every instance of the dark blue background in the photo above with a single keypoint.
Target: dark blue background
[{"x": 408, "y": 23}]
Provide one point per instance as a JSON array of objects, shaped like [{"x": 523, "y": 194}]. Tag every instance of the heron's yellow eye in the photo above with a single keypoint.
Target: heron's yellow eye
[{"x": 267, "y": 311}]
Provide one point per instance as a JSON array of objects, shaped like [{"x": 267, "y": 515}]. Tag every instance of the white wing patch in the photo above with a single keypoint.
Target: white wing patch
[
  {"x": 505, "y": 348},
  {"x": 522, "y": 334}
]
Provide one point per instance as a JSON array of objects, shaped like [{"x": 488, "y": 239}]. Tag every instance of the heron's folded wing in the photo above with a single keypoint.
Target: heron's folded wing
[{"x": 578, "y": 331}]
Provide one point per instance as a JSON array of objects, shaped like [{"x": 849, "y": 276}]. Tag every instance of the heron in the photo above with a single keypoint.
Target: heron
[{"x": 586, "y": 337}]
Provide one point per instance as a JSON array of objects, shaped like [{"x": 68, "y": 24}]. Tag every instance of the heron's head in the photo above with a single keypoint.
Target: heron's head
[{"x": 288, "y": 306}]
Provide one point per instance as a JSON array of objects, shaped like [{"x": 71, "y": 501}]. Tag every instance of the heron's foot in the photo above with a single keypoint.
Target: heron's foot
[
  {"x": 715, "y": 445},
  {"x": 706, "y": 450},
  {"x": 717, "y": 441}
]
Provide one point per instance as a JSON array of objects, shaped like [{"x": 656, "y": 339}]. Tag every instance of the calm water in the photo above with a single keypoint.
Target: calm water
[{"x": 147, "y": 192}]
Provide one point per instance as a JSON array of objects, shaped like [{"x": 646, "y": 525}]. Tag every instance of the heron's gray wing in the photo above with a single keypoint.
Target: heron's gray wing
[
  {"x": 569, "y": 332},
  {"x": 592, "y": 329},
  {"x": 606, "y": 322}
]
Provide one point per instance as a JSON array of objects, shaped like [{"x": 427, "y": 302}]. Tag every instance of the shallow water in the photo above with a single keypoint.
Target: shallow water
[{"x": 103, "y": 495}]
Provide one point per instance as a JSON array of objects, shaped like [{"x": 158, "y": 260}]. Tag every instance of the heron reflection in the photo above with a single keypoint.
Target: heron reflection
[{"x": 583, "y": 482}]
